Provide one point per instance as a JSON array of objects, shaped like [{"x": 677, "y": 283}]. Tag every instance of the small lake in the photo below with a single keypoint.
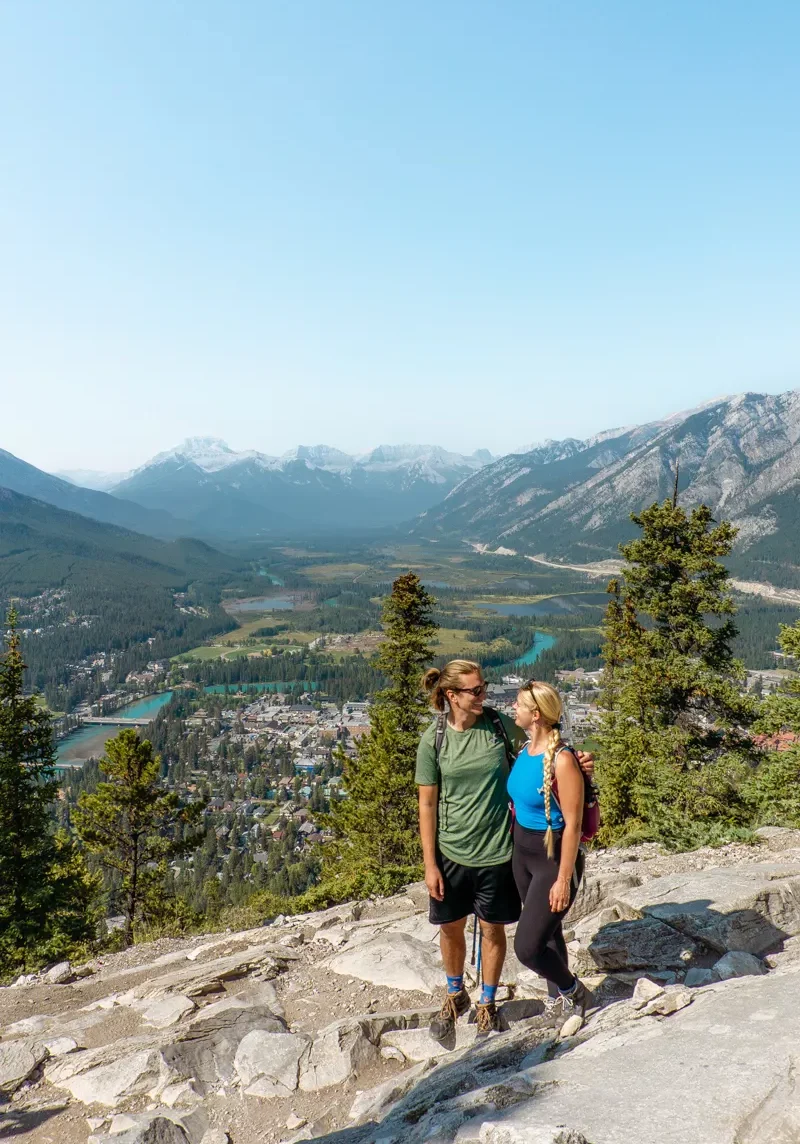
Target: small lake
[
  {"x": 221, "y": 688},
  {"x": 552, "y": 607},
  {"x": 89, "y": 742},
  {"x": 259, "y": 604},
  {"x": 542, "y": 641}
]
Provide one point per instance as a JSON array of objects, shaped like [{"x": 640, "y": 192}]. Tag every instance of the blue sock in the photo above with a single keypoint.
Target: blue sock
[
  {"x": 455, "y": 984},
  {"x": 488, "y": 994},
  {"x": 569, "y": 992}
]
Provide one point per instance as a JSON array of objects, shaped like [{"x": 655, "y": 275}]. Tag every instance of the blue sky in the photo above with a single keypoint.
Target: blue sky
[{"x": 479, "y": 224}]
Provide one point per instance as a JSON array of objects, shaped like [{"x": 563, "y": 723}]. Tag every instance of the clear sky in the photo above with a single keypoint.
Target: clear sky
[{"x": 367, "y": 221}]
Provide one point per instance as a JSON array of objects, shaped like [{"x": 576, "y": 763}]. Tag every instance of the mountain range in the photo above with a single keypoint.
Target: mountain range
[
  {"x": 572, "y": 500},
  {"x": 223, "y": 493}
]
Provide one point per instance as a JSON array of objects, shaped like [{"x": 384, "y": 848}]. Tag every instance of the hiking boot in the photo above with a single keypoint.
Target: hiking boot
[
  {"x": 443, "y": 1025},
  {"x": 486, "y": 1017},
  {"x": 576, "y": 1003}
]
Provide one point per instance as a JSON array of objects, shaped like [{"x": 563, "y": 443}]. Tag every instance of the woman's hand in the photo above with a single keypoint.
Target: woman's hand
[
  {"x": 559, "y": 894},
  {"x": 586, "y": 762},
  {"x": 435, "y": 882}
]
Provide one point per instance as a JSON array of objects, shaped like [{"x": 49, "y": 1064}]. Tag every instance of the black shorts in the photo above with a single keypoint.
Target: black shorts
[{"x": 490, "y": 892}]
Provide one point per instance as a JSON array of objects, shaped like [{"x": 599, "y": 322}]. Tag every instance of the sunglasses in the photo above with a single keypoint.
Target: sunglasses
[{"x": 476, "y": 691}]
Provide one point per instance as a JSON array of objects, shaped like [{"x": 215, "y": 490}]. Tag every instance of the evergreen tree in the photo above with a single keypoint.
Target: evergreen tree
[
  {"x": 46, "y": 893},
  {"x": 375, "y": 845},
  {"x": 675, "y": 738},
  {"x": 132, "y": 824},
  {"x": 774, "y": 788}
]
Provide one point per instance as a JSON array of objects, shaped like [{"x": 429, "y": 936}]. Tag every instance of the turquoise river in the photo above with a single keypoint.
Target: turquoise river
[{"x": 88, "y": 742}]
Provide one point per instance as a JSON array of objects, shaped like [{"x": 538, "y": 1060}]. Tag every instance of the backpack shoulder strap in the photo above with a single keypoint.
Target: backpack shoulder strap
[
  {"x": 441, "y": 730},
  {"x": 499, "y": 727}
]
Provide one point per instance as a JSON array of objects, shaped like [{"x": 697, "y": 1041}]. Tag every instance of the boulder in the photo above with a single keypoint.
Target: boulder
[
  {"x": 751, "y": 907},
  {"x": 134, "y": 1074},
  {"x": 419, "y": 1045},
  {"x": 598, "y": 891},
  {"x": 395, "y": 960},
  {"x": 205, "y": 1050},
  {"x": 273, "y": 1058},
  {"x": 338, "y": 1053},
  {"x": 164, "y": 1011},
  {"x": 59, "y": 974},
  {"x": 646, "y": 991},
  {"x": 696, "y": 978},
  {"x": 18, "y": 1061},
  {"x": 643, "y": 943},
  {"x": 737, "y": 964},
  {"x": 670, "y": 1000}
]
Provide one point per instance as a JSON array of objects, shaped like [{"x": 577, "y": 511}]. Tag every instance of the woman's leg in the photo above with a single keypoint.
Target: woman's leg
[{"x": 539, "y": 943}]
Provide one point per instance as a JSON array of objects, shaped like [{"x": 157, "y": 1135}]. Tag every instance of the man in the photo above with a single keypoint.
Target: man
[{"x": 464, "y": 828}]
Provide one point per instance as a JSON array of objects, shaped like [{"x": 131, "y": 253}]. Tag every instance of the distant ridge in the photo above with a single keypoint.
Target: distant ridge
[{"x": 572, "y": 500}]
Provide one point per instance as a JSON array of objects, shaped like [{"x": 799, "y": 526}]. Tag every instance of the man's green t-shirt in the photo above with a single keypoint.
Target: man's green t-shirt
[{"x": 473, "y": 803}]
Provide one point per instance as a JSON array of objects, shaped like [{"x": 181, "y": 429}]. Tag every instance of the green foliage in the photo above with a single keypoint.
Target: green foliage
[
  {"x": 46, "y": 894},
  {"x": 135, "y": 827},
  {"x": 774, "y": 788},
  {"x": 375, "y": 844},
  {"x": 675, "y": 741}
]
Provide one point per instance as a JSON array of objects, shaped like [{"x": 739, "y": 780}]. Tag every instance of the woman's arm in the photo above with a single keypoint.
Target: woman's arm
[
  {"x": 428, "y": 811},
  {"x": 570, "y": 799}
]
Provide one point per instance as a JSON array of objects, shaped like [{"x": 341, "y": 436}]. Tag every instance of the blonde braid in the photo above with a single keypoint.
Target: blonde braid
[{"x": 553, "y": 740}]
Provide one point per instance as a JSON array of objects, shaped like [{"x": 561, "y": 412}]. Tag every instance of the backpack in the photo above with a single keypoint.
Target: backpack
[{"x": 591, "y": 821}]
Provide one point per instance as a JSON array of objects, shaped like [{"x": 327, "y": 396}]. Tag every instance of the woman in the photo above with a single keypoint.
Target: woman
[{"x": 548, "y": 861}]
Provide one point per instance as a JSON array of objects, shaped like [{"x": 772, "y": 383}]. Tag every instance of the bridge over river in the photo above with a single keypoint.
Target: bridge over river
[{"x": 114, "y": 721}]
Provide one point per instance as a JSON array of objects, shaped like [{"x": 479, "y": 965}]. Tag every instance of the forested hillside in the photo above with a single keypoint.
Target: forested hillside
[{"x": 83, "y": 587}]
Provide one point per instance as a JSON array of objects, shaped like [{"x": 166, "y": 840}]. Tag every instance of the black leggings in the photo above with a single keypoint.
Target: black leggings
[{"x": 539, "y": 943}]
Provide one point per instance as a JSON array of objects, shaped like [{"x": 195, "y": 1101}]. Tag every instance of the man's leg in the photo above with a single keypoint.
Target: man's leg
[
  {"x": 456, "y": 1000},
  {"x": 454, "y": 947},
  {"x": 493, "y": 953}
]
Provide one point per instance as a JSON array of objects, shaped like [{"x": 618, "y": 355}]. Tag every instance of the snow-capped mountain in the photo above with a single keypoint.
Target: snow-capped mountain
[
  {"x": 92, "y": 478},
  {"x": 573, "y": 499},
  {"x": 225, "y": 492}
]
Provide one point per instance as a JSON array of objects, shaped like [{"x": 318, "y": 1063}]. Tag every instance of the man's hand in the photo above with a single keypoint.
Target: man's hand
[
  {"x": 586, "y": 762},
  {"x": 435, "y": 882}
]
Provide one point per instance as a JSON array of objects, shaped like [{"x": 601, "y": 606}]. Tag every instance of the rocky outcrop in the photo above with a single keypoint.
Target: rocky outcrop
[{"x": 315, "y": 1027}]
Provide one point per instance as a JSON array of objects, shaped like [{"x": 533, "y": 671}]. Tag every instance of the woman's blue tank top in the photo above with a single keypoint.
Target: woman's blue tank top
[{"x": 526, "y": 790}]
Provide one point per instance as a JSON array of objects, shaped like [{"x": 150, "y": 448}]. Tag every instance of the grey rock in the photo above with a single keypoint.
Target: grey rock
[
  {"x": 161, "y": 1012},
  {"x": 395, "y": 960},
  {"x": 29, "y": 1026},
  {"x": 671, "y": 1000},
  {"x": 338, "y": 1053},
  {"x": 645, "y": 991},
  {"x": 696, "y": 978},
  {"x": 294, "y": 1122},
  {"x": 271, "y": 1057},
  {"x": 135, "y": 1074},
  {"x": 737, "y": 964},
  {"x": 18, "y": 1061},
  {"x": 571, "y": 1026},
  {"x": 743, "y": 1036},
  {"x": 600, "y": 891},
  {"x": 59, "y": 974},
  {"x": 640, "y": 944},
  {"x": 59, "y": 1046},
  {"x": 419, "y": 1045},
  {"x": 205, "y": 1050},
  {"x": 747, "y": 907},
  {"x": 375, "y": 1102}
]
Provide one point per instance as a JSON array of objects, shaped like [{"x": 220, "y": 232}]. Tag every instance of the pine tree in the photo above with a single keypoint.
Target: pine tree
[
  {"x": 47, "y": 897},
  {"x": 375, "y": 844},
  {"x": 675, "y": 738},
  {"x": 774, "y": 788},
  {"x": 132, "y": 824}
]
